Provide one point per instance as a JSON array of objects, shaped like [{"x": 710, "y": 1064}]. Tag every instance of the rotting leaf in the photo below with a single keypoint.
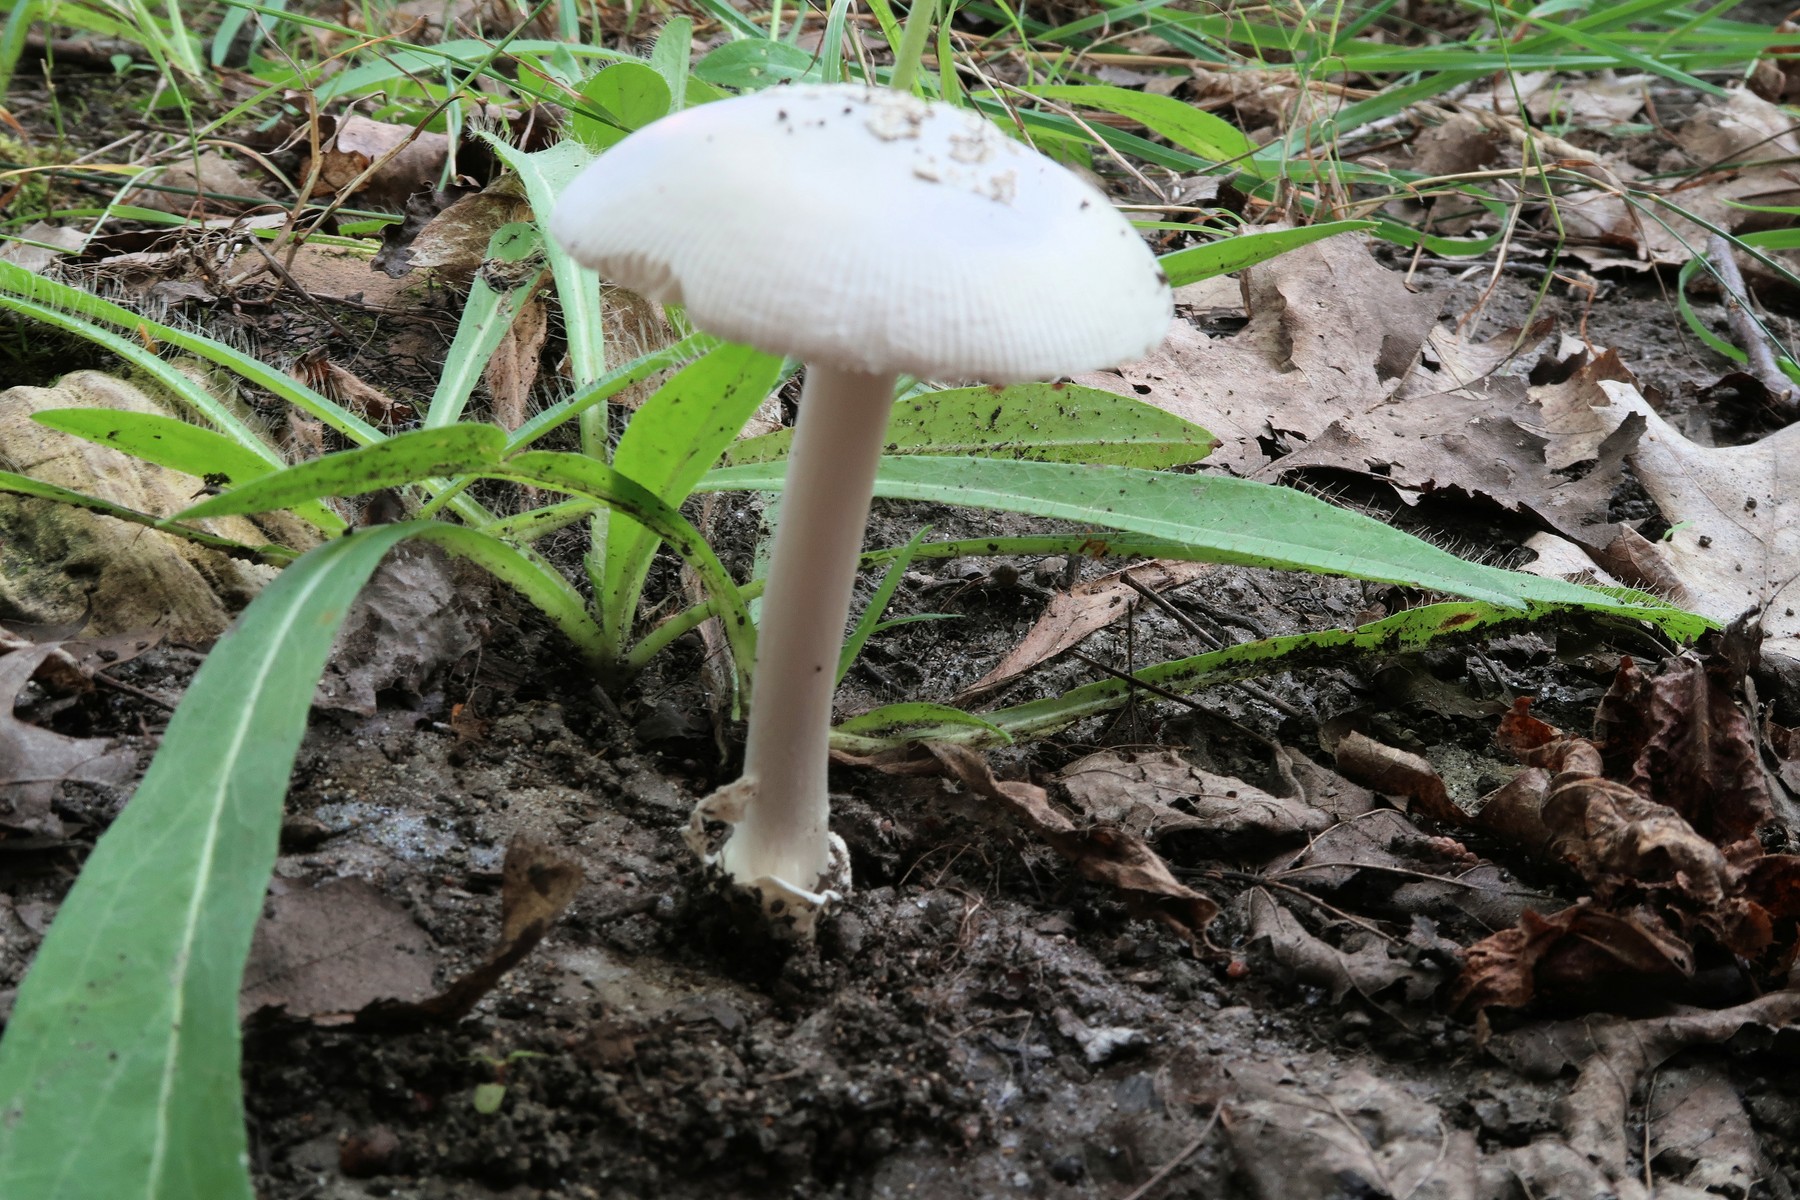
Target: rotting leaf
[
  {"x": 1680, "y": 738},
  {"x": 33, "y": 760},
  {"x": 537, "y": 883},
  {"x": 1106, "y": 856},
  {"x": 1580, "y": 953},
  {"x": 1369, "y": 970},
  {"x": 323, "y": 952}
]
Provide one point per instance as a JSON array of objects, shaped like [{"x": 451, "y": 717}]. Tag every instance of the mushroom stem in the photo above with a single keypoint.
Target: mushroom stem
[{"x": 812, "y": 572}]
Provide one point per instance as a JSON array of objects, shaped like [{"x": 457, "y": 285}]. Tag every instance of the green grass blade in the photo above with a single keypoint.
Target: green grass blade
[
  {"x": 486, "y": 317},
  {"x": 1231, "y": 520},
  {"x": 404, "y": 458},
  {"x": 1193, "y": 129},
  {"x": 895, "y": 725},
  {"x": 527, "y": 573},
  {"x": 1235, "y": 253},
  {"x": 119, "y": 1069},
  {"x": 672, "y": 439},
  {"x": 871, "y": 614},
  {"x": 63, "y": 306},
  {"x": 1040, "y": 421},
  {"x": 609, "y": 385},
  {"x": 175, "y": 444},
  {"x": 1410, "y": 630}
]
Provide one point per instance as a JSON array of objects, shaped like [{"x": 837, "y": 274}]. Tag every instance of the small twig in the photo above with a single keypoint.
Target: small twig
[
  {"x": 1749, "y": 331},
  {"x": 1181, "y": 1155},
  {"x": 1188, "y": 623}
]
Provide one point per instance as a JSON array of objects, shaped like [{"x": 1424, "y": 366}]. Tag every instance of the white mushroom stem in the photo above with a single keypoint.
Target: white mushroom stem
[{"x": 812, "y": 572}]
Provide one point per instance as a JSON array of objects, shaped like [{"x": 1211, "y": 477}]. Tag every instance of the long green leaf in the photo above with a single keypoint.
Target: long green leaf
[
  {"x": 119, "y": 1071},
  {"x": 672, "y": 439},
  {"x": 1247, "y": 249},
  {"x": 1041, "y": 421},
  {"x": 404, "y": 458},
  {"x": 176, "y": 444},
  {"x": 1232, "y": 520},
  {"x": 1192, "y": 129}
]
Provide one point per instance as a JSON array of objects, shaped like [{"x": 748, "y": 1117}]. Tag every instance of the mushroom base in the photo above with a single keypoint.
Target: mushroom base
[{"x": 792, "y": 911}]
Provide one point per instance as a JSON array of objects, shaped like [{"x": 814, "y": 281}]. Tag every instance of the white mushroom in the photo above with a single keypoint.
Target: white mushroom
[{"x": 869, "y": 234}]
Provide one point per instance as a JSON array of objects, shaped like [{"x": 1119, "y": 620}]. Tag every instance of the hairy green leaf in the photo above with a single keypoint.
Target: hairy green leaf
[{"x": 1041, "y": 421}]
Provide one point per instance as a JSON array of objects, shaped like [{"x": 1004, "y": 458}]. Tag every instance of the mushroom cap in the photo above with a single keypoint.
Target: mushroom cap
[{"x": 864, "y": 228}]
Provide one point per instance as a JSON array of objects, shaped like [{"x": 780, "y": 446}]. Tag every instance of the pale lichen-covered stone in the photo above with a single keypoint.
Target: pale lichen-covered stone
[{"x": 57, "y": 561}]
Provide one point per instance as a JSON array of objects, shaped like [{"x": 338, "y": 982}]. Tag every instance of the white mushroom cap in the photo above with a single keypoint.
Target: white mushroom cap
[{"x": 866, "y": 229}]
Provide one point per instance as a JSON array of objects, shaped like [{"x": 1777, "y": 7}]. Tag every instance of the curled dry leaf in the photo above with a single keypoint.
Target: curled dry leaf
[
  {"x": 537, "y": 881},
  {"x": 1580, "y": 953},
  {"x": 1395, "y": 772},
  {"x": 1368, "y": 970},
  {"x": 33, "y": 760},
  {"x": 1110, "y": 857}
]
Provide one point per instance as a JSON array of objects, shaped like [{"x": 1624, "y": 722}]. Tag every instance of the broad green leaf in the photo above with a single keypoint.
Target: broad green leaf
[
  {"x": 180, "y": 446},
  {"x": 918, "y": 721},
  {"x": 1041, "y": 421},
  {"x": 672, "y": 439},
  {"x": 1247, "y": 249},
  {"x": 672, "y": 58},
  {"x": 622, "y": 97},
  {"x": 1231, "y": 520},
  {"x": 402, "y": 459},
  {"x": 579, "y": 475},
  {"x": 1190, "y": 128},
  {"x": 24, "y": 485},
  {"x": 755, "y": 63},
  {"x": 119, "y": 1071}
]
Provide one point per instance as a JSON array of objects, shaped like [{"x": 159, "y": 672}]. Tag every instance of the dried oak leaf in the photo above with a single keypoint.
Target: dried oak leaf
[
  {"x": 1369, "y": 970},
  {"x": 1568, "y": 955},
  {"x": 1107, "y": 856}
]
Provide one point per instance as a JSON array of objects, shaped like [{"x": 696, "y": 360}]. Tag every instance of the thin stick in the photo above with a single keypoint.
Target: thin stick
[
  {"x": 1744, "y": 325},
  {"x": 1181, "y": 1155}
]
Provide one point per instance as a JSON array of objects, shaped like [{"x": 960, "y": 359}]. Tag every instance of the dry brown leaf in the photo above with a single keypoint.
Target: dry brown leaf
[
  {"x": 513, "y": 370},
  {"x": 413, "y": 159},
  {"x": 1600, "y": 1114},
  {"x": 455, "y": 241},
  {"x": 1331, "y": 336},
  {"x": 1735, "y": 512},
  {"x": 1153, "y": 794},
  {"x": 1680, "y": 739},
  {"x": 323, "y": 952},
  {"x": 1073, "y": 615},
  {"x": 349, "y": 389},
  {"x": 1579, "y": 954},
  {"x": 1397, "y": 773},
  {"x": 1109, "y": 857},
  {"x": 1301, "y": 957},
  {"x": 33, "y": 760}
]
